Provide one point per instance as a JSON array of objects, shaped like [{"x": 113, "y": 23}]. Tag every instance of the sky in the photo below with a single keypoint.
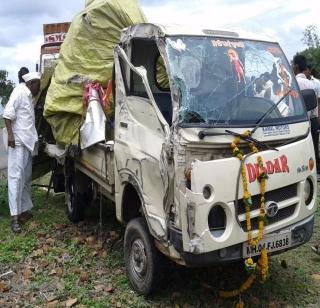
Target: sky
[{"x": 284, "y": 20}]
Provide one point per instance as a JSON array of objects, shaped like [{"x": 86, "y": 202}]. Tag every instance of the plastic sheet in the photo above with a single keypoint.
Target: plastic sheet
[{"x": 86, "y": 56}]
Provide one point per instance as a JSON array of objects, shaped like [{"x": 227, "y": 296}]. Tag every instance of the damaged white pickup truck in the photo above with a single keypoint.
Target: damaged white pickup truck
[{"x": 182, "y": 96}]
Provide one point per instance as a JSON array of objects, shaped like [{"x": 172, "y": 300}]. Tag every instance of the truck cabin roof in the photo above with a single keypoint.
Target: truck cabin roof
[{"x": 149, "y": 31}]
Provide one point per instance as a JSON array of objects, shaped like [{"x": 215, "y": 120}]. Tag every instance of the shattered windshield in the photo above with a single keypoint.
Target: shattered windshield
[{"x": 232, "y": 82}]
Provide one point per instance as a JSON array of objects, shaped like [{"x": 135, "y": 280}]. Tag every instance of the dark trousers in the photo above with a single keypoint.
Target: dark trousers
[{"x": 315, "y": 138}]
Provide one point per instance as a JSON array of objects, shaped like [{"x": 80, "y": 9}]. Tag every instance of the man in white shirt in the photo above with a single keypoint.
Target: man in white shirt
[
  {"x": 22, "y": 137},
  {"x": 316, "y": 82},
  {"x": 300, "y": 68}
]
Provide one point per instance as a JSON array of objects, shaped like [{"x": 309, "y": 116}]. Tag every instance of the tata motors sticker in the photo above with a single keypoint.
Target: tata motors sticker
[{"x": 276, "y": 130}]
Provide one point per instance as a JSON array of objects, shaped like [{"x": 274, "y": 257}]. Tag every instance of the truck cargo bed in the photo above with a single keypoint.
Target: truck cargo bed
[{"x": 97, "y": 162}]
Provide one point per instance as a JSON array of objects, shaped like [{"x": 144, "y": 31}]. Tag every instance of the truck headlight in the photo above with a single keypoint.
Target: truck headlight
[{"x": 308, "y": 191}]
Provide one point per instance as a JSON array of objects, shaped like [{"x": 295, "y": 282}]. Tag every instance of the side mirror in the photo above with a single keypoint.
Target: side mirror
[{"x": 310, "y": 99}]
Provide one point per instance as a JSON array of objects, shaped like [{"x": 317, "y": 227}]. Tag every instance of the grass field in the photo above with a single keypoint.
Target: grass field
[{"x": 54, "y": 263}]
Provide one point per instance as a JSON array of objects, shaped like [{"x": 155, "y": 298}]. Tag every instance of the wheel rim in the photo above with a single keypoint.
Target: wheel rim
[{"x": 138, "y": 259}]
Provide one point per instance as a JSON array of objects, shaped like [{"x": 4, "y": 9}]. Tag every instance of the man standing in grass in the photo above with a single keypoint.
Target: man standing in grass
[{"x": 22, "y": 137}]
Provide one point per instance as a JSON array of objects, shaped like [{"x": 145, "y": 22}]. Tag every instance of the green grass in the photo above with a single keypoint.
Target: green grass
[
  {"x": 15, "y": 248},
  {"x": 66, "y": 252}
]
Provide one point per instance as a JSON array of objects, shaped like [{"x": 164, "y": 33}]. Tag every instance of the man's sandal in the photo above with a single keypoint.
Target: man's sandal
[{"x": 15, "y": 227}]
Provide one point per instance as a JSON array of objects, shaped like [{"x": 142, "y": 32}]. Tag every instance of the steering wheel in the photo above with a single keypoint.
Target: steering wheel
[{"x": 189, "y": 116}]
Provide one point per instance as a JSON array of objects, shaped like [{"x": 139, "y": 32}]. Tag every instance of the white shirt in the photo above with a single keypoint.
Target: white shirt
[
  {"x": 20, "y": 111},
  {"x": 304, "y": 83},
  {"x": 316, "y": 84}
]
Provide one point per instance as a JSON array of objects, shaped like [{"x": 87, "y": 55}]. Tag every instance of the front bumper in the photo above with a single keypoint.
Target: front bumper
[{"x": 301, "y": 233}]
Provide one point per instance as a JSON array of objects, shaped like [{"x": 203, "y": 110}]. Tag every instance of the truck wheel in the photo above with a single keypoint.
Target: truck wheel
[
  {"x": 75, "y": 206},
  {"x": 143, "y": 261},
  {"x": 75, "y": 202}
]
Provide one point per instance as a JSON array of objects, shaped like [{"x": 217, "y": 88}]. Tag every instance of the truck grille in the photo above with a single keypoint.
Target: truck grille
[
  {"x": 276, "y": 195},
  {"x": 282, "y": 214}
]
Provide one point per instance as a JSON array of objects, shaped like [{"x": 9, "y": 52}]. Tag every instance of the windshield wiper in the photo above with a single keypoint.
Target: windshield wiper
[
  {"x": 260, "y": 121},
  {"x": 252, "y": 140},
  {"x": 204, "y": 133}
]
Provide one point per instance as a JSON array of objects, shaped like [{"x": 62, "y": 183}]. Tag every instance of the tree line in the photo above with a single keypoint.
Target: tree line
[
  {"x": 311, "y": 39},
  {"x": 6, "y": 87}
]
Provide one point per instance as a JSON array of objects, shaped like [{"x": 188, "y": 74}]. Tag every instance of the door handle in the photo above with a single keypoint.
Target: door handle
[{"x": 124, "y": 125}]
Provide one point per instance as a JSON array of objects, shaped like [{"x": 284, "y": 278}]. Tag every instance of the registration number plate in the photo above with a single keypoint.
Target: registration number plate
[{"x": 273, "y": 242}]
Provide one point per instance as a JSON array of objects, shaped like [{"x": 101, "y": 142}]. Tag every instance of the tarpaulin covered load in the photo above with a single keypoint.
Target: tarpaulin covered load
[{"x": 86, "y": 55}]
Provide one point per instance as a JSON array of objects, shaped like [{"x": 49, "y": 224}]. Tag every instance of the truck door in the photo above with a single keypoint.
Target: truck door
[{"x": 140, "y": 134}]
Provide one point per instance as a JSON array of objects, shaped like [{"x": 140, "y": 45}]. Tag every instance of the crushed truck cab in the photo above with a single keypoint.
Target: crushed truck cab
[
  {"x": 189, "y": 185},
  {"x": 181, "y": 97}
]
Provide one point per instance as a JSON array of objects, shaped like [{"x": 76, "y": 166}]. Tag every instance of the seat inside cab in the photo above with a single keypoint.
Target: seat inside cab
[{"x": 145, "y": 53}]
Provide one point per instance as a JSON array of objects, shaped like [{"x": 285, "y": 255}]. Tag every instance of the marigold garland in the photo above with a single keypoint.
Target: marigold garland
[
  {"x": 245, "y": 286},
  {"x": 240, "y": 304},
  {"x": 262, "y": 267}
]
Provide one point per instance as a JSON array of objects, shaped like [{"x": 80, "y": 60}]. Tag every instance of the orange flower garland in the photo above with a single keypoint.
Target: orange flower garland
[{"x": 262, "y": 266}]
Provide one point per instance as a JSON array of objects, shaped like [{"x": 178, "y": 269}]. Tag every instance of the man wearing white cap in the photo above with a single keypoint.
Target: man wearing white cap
[{"x": 22, "y": 137}]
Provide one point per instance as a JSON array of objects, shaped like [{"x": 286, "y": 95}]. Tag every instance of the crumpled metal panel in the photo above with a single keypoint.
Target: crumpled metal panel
[
  {"x": 140, "y": 135},
  {"x": 142, "y": 30},
  {"x": 93, "y": 129}
]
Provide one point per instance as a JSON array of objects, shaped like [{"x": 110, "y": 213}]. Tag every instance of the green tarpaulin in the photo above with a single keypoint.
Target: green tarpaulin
[{"x": 86, "y": 55}]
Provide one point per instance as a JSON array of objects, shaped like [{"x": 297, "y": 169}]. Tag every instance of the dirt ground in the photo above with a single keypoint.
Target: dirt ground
[{"x": 56, "y": 264}]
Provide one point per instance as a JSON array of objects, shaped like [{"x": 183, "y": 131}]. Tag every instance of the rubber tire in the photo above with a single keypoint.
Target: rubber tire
[
  {"x": 76, "y": 210},
  {"x": 138, "y": 229}
]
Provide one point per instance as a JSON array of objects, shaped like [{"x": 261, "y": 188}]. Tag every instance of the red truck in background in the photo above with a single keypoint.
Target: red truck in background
[{"x": 54, "y": 35}]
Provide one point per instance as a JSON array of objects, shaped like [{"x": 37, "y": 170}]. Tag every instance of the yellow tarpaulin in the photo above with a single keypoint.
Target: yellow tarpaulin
[{"x": 86, "y": 55}]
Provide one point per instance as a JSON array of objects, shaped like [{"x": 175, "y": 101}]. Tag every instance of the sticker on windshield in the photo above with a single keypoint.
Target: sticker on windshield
[
  {"x": 274, "y": 50},
  {"x": 237, "y": 64},
  {"x": 227, "y": 43},
  {"x": 177, "y": 45},
  {"x": 276, "y": 130}
]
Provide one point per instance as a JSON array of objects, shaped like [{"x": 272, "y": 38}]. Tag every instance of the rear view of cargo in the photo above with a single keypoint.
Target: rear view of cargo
[
  {"x": 86, "y": 55},
  {"x": 54, "y": 35}
]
